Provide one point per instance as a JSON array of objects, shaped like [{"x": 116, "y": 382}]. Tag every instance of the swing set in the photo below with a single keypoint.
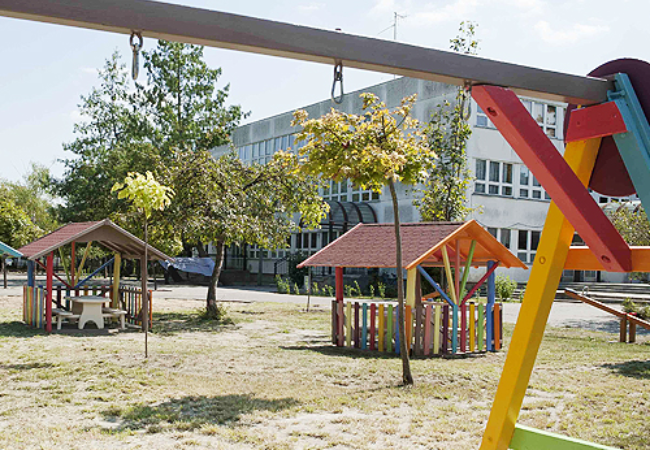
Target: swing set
[{"x": 608, "y": 147}]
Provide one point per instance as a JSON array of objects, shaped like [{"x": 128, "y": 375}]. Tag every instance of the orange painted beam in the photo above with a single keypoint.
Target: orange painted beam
[{"x": 582, "y": 258}]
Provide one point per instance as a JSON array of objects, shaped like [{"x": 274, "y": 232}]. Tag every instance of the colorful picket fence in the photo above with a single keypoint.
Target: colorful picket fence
[
  {"x": 431, "y": 328},
  {"x": 34, "y": 306},
  {"x": 130, "y": 300}
]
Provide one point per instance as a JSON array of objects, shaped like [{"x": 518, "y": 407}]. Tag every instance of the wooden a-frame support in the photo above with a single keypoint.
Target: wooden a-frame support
[{"x": 572, "y": 208}]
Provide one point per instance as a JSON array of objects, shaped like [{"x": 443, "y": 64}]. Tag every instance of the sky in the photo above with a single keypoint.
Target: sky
[{"x": 44, "y": 68}]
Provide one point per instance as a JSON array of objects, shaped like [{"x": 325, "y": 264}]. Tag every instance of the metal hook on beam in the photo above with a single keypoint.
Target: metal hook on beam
[{"x": 338, "y": 78}]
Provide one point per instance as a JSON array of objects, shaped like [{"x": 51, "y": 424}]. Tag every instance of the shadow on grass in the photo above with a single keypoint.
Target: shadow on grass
[
  {"x": 632, "y": 369},
  {"x": 194, "y": 412},
  {"x": 28, "y": 366},
  {"x": 348, "y": 352},
  {"x": 19, "y": 329},
  {"x": 182, "y": 322}
]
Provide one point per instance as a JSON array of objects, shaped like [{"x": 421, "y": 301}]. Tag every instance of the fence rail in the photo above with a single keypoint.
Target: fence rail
[
  {"x": 430, "y": 327},
  {"x": 129, "y": 299}
]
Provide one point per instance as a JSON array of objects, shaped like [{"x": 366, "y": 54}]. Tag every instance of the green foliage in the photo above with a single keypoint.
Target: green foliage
[
  {"x": 642, "y": 312},
  {"x": 144, "y": 193},
  {"x": 632, "y": 223},
  {"x": 314, "y": 288},
  {"x": 505, "y": 287},
  {"x": 381, "y": 288},
  {"x": 296, "y": 275},
  {"x": 444, "y": 195},
  {"x": 349, "y": 291},
  {"x": 16, "y": 228},
  {"x": 226, "y": 200},
  {"x": 282, "y": 285},
  {"x": 371, "y": 149},
  {"x": 329, "y": 289},
  {"x": 357, "y": 288},
  {"x": 371, "y": 288},
  {"x": 296, "y": 289}
]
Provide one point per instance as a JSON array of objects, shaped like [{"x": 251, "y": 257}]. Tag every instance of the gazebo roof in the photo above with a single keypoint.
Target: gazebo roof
[
  {"x": 7, "y": 250},
  {"x": 373, "y": 245},
  {"x": 104, "y": 232}
]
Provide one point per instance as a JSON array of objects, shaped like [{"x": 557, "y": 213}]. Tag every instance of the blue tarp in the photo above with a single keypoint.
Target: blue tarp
[
  {"x": 8, "y": 251},
  {"x": 203, "y": 266}
]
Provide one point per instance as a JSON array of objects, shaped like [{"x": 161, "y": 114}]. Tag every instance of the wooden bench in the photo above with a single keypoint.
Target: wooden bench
[
  {"x": 62, "y": 314},
  {"x": 113, "y": 313}
]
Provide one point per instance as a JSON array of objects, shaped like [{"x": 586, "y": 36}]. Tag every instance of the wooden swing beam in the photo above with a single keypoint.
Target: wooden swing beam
[{"x": 235, "y": 32}]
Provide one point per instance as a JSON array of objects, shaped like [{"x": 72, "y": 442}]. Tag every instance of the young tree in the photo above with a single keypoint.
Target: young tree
[
  {"x": 145, "y": 195},
  {"x": 380, "y": 147},
  {"x": 444, "y": 196},
  {"x": 226, "y": 202}
]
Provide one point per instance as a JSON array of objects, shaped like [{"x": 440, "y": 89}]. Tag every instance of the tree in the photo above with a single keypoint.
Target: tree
[
  {"x": 145, "y": 195},
  {"x": 226, "y": 202},
  {"x": 444, "y": 196},
  {"x": 183, "y": 106},
  {"x": 372, "y": 150}
]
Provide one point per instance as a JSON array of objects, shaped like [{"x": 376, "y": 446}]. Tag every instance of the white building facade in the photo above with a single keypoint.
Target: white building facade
[{"x": 505, "y": 196}]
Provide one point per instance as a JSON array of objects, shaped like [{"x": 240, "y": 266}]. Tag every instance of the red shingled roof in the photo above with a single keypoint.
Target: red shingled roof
[
  {"x": 373, "y": 245},
  {"x": 104, "y": 232}
]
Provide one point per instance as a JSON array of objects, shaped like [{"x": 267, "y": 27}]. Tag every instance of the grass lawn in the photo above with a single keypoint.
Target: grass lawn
[{"x": 273, "y": 381}]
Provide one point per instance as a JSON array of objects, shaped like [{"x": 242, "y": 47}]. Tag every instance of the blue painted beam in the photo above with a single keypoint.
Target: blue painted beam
[
  {"x": 634, "y": 145},
  {"x": 81, "y": 283},
  {"x": 435, "y": 285}
]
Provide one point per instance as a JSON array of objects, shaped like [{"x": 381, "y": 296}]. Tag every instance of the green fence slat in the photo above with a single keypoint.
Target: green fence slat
[{"x": 526, "y": 438}]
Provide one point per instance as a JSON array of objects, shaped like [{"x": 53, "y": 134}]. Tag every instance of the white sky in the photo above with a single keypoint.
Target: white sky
[{"x": 45, "y": 68}]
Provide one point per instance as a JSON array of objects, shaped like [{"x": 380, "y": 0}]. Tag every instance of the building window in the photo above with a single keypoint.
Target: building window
[
  {"x": 493, "y": 177},
  {"x": 482, "y": 119},
  {"x": 529, "y": 187},
  {"x": 527, "y": 242},
  {"x": 345, "y": 191},
  {"x": 503, "y": 235},
  {"x": 545, "y": 115}
]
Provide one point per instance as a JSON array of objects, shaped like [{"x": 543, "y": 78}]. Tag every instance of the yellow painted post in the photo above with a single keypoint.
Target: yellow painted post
[
  {"x": 348, "y": 324},
  {"x": 411, "y": 281},
  {"x": 381, "y": 335},
  {"x": 543, "y": 281},
  {"x": 450, "y": 277},
  {"x": 83, "y": 259},
  {"x": 115, "y": 303}
]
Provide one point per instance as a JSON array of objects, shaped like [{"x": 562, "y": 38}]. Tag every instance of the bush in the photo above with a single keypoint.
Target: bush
[
  {"x": 381, "y": 288},
  {"x": 296, "y": 289},
  {"x": 314, "y": 289},
  {"x": 372, "y": 291},
  {"x": 296, "y": 275},
  {"x": 282, "y": 285},
  {"x": 642, "y": 312},
  {"x": 358, "y": 289},
  {"x": 330, "y": 290},
  {"x": 349, "y": 291},
  {"x": 505, "y": 287}
]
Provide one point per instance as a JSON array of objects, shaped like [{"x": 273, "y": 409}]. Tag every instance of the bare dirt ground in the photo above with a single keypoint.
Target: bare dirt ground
[{"x": 272, "y": 380}]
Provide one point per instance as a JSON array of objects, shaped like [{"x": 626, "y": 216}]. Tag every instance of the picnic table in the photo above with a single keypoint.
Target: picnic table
[{"x": 90, "y": 308}]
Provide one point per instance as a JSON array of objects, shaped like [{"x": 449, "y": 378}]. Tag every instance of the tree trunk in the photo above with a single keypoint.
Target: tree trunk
[
  {"x": 145, "y": 291},
  {"x": 212, "y": 310},
  {"x": 4, "y": 270},
  {"x": 201, "y": 249},
  {"x": 407, "y": 378}
]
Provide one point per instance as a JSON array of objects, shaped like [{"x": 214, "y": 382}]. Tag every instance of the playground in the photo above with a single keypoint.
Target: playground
[{"x": 210, "y": 387}]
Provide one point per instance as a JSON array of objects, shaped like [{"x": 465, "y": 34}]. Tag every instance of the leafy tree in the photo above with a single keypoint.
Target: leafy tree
[
  {"x": 226, "y": 202},
  {"x": 378, "y": 148},
  {"x": 631, "y": 221},
  {"x": 444, "y": 196},
  {"x": 145, "y": 195},
  {"x": 16, "y": 227},
  {"x": 184, "y": 108},
  {"x": 32, "y": 196}
]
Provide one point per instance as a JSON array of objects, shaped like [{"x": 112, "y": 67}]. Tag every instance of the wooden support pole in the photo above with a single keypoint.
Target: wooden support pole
[
  {"x": 73, "y": 263},
  {"x": 117, "y": 264},
  {"x": 381, "y": 334},
  {"x": 536, "y": 307},
  {"x": 83, "y": 259},
  {"x": 623, "y": 330},
  {"x": 450, "y": 277},
  {"x": 457, "y": 271},
  {"x": 411, "y": 282},
  {"x": 468, "y": 265},
  {"x": 489, "y": 313},
  {"x": 632, "y": 335}
]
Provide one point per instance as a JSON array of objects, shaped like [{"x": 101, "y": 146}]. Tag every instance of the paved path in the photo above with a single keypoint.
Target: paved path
[{"x": 563, "y": 314}]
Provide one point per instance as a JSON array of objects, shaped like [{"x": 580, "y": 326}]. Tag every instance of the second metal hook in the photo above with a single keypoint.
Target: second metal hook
[{"x": 338, "y": 77}]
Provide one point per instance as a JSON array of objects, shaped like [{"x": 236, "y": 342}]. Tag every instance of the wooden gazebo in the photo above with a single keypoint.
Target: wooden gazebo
[
  {"x": 456, "y": 246},
  {"x": 39, "y": 300}
]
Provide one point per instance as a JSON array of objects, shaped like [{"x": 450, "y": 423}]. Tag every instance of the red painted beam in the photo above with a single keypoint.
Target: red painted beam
[
  {"x": 535, "y": 149},
  {"x": 49, "y": 286},
  {"x": 480, "y": 282},
  {"x": 53, "y": 273},
  {"x": 594, "y": 122}
]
